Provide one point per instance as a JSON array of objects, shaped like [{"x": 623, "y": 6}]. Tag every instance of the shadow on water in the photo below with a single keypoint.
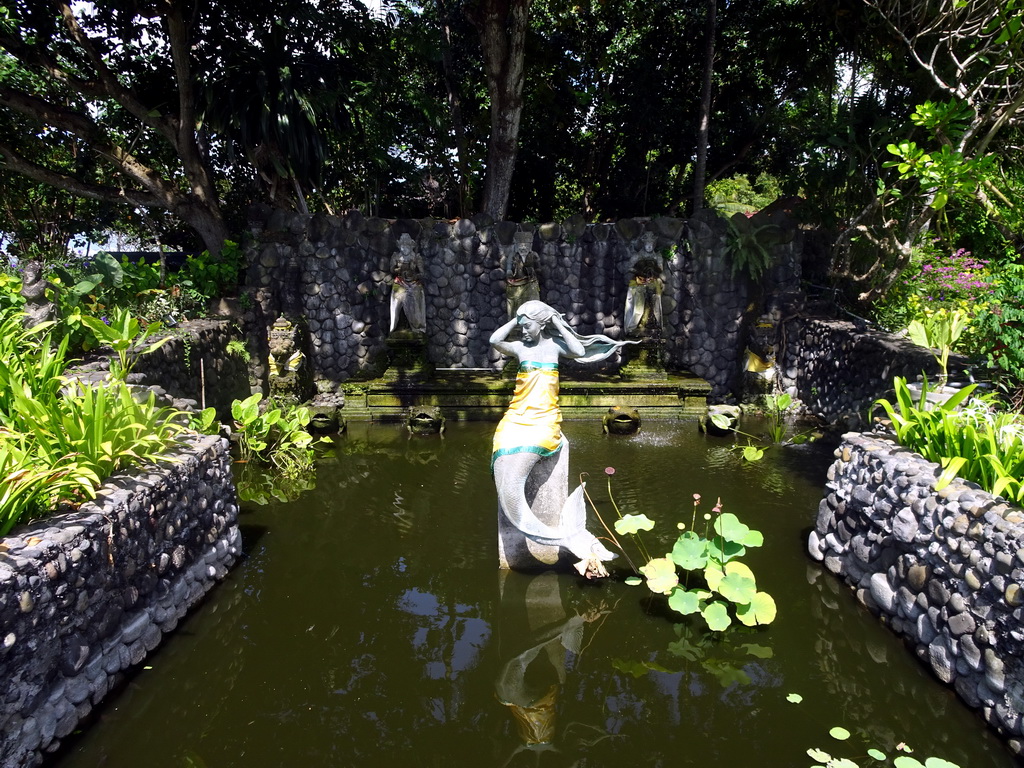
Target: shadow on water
[{"x": 368, "y": 625}]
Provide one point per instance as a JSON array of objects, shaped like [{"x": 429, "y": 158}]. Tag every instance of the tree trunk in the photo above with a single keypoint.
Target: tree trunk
[
  {"x": 502, "y": 26},
  {"x": 701, "y": 164}
]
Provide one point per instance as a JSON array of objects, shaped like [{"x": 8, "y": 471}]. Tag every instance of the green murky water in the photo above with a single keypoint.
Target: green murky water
[{"x": 368, "y": 626}]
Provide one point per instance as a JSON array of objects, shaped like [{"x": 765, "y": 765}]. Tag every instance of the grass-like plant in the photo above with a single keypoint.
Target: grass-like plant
[
  {"x": 974, "y": 442},
  {"x": 59, "y": 439}
]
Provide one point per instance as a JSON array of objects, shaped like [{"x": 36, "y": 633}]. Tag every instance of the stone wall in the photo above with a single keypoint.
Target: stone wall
[
  {"x": 195, "y": 365},
  {"x": 86, "y": 595},
  {"x": 944, "y": 569},
  {"x": 334, "y": 273},
  {"x": 837, "y": 369}
]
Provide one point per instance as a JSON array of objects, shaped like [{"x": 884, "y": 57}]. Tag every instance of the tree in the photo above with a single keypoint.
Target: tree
[
  {"x": 83, "y": 78},
  {"x": 971, "y": 52},
  {"x": 502, "y": 26}
]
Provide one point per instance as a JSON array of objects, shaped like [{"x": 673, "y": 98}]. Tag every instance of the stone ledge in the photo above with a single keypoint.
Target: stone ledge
[
  {"x": 944, "y": 569},
  {"x": 88, "y": 594}
]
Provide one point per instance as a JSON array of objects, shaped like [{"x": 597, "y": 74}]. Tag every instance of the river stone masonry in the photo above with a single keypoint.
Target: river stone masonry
[
  {"x": 945, "y": 569},
  {"x": 334, "y": 271},
  {"x": 86, "y": 595}
]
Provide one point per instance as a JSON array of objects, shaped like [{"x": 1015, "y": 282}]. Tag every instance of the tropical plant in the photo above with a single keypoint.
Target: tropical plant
[
  {"x": 711, "y": 557},
  {"x": 998, "y": 332},
  {"x": 974, "y": 442},
  {"x": 939, "y": 330},
  {"x": 275, "y": 435},
  {"x": 125, "y": 336}
]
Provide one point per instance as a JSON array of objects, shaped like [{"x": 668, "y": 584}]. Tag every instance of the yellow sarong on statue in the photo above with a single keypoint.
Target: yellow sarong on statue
[{"x": 532, "y": 423}]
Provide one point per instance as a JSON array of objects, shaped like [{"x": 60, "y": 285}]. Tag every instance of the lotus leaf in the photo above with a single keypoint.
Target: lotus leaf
[
  {"x": 795, "y": 698},
  {"x": 723, "y": 551},
  {"x": 629, "y": 524},
  {"x": 737, "y": 588},
  {"x": 758, "y": 651},
  {"x": 839, "y": 733},
  {"x": 729, "y": 527},
  {"x": 818, "y": 754},
  {"x": 877, "y": 754},
  {"x": 686, "y": 602},
  {"x": 661, "y": 575},
  {"x": 717, "y": 617},
  {"x": 760, "y": 610},
  {"x": 633, "y": 581},
  {"x": 690, "y": 551}
]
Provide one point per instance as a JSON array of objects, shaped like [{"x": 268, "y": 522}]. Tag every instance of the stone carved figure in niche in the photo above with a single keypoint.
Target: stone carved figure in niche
[
  {"x": 407, "y": 296},
  {"x": 646, "y": 283},
  {"x": 521, "y": 263},
  {"x": 530, "y": 455},
  {"x": 38, "y": 309}
]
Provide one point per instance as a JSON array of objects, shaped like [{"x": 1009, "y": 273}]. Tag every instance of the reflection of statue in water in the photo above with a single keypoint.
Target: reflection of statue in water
[
  {"x": 643, "y": 302},
  {"x": 407, "y": 296},
  {"x": 33, "y": 287},
  {"x": 521, "y": 283},
  {"x": 535, "y": 636},
  {"x": 530, "y": 458}
]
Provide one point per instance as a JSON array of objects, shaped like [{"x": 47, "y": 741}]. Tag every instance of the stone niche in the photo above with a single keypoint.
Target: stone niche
[
  {"x": 944, "y": 569},
  {"x": 86, "y": 595}
]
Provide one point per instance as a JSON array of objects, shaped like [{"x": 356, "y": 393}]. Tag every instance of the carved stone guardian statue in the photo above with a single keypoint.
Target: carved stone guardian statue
[
  {"x": 407, "y": 296},
  {"x": 38, "y": 309},
  {"x": 521, "y": 261},
  {"x": 646, "y": 283}
]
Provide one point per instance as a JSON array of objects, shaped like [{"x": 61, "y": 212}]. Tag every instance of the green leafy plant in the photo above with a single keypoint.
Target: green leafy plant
[
  {"x": 750, "y": 244},
  {"x": 274, "y": 435},
  {"x": 711, "y": 559},
  {"x": 975, "y": 442},
  {"x": 825, "y": 759},
  {"x": 124, "y": 335},
  {"x": 776, "y": 409},
  {"x": 939, "y": 330},
  {"x": 237, "y": 347}
]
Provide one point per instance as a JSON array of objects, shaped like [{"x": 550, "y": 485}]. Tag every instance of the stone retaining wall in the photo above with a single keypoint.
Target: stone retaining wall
[
  {"x": 86, "y": 595},
  {"x": 944, "y": 569},
  {"x": 837, "y": 370},
  {"x": 334, "y": 273}
]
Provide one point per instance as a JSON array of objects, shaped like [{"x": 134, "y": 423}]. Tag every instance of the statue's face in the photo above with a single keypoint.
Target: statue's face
[
  {"x": 523, "y": 248},
  {"x": 530, "y": 329},
  {"x": 648, "y": 246}
]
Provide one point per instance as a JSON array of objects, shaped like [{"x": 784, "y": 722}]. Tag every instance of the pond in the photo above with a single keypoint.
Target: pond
[{"x": 368, "y": 625}]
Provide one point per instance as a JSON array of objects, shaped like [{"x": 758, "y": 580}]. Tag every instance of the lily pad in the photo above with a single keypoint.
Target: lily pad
[
  {"x": 690, "y": 551},
  {"x": 794, "y": 698},
  {"x": 877, "y": 754},
  {"x": 685, "y": 601},
  {"x": 760, "y": 610},
  {"x": 717, "y": 617},
  {"x": 819, "y": 755},
  {"x": 661, "y": 575},
  {"x": 737, "y": 588},
  {"x": 633, "y": 581},
  {"x": 839, "y": 733},
  {"x": 758, "y": 651},
  {"x": 629, "y": 524}
]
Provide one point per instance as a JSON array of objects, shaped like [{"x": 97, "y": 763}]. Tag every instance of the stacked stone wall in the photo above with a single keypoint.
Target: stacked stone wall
[
  {"x": 945, "y": 569},
  {"x": 333, "y": 272},
  {"x": 86, "y": 595},
  {"x": 837, "y": 369}
]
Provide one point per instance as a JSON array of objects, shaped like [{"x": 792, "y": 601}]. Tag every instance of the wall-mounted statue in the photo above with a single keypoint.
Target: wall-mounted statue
[
  {"x": 38, "y": 309},
  {"x": 530, "y": 456},
  {"x": 407, "y": 297},
  {"x": 646, "y": 283},
  {"x": 521, "y": 264}
]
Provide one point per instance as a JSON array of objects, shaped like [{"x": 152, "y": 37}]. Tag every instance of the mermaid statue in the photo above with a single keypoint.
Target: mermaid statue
[{"x": 530, "y": 457}]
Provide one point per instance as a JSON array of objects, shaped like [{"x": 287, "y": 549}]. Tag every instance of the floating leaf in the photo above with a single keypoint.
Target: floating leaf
[
  {"x": 877, "y": 754},
  {"x": 723, "y": 551},
  {"x": 690, "y": 551},
  {"x": 686, "y": 602},
  {"x": 634, "y": 581},
  {"x": 630, "y": 524},
  {"x": 737, "y": 588},
  {"x": 661, "y": 575},
  {"x": 752, "y": 453},
  {"x": 938, "y": 762},
  {"x": 637, "y": 668},
  {"x": 905, "y": 761},
  {"x": 794, "y": 698},
  {"x": 843, "y": 762},
  {"x": 717, "y": 617},
  {"x": 819, "y": 755},
  {"x": 839, "y": 734},
  {"x": 760, "y": 610}
]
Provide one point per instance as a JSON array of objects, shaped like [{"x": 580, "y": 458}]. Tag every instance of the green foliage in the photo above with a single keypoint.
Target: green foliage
[
  {"x": 750, "y": 245},
  {"x": 974, "y": 442},
  {"x": 738, "y": 195},
  {"x": 273, "y": 435},
  {"x": 825, "y": 759},
  {"x": 123, "y": 334},
  {"x": 61, "y": 439},
  {"x": 238, "y": 347},
  {"x": 999, "y": 331},
  {"x": 714, "y": 558},
  {"x": 939, "y": 330},
  {"x": 211, "y": 276}
]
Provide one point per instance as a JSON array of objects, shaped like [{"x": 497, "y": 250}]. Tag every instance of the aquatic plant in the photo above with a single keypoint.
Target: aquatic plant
[
  {"x": 275, "y": 435},
  {"x": 776, "y": 409},
  {"x": 711, "y": 557}
]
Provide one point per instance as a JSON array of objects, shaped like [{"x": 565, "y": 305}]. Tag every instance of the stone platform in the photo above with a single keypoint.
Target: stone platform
[{"x": 481, "y": 395}]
